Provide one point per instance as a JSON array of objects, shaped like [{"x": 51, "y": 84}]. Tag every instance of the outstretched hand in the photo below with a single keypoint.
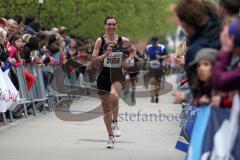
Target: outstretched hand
[{"x": 227, "y": 41}]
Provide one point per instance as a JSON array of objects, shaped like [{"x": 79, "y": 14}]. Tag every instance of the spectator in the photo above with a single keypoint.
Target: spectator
[
  {"x": 227, "y": 74},
  {"x": 202, "y": 30},
  {"x": 15, "y": 53},
  {"x": 202, "y": 66},
  {"x": 12, "y": 27},
  {"x": 63, "y": 32},
  {"x": 72, "y": 51},
  {"x": 28, "y": 20},
  {"x": 229, "y": 8},
  {"x": 27, "y": 28},
  {"x": 35, "y": 26},
  {"x": 31, "y": 45},
  {"x": 3, "y": 52},
  {"x": 43, "y": 39},
  {"x": 20, "y": 23}
]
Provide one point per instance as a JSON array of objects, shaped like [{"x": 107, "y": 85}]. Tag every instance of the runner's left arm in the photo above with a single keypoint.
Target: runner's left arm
[
  {"x": 164, "y": 54},
  {"x": 131, "y": 49}
]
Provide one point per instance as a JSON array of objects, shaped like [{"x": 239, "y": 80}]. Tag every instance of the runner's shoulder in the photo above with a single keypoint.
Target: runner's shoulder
[
  {"x": 149, "y": 46},
  {"x": 98, "y": 42},
  {"x": 161, "y": 45},
  {"x": 125, "y": 39},
  {"x": 99, "y": 39}
]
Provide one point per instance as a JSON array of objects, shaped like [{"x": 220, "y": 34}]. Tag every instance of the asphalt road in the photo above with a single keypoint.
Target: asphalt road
[{"x": 149, "y": 132}]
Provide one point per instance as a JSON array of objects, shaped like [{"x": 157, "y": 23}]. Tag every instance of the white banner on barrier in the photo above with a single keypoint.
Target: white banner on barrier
[{"x": 8, "y": 93}]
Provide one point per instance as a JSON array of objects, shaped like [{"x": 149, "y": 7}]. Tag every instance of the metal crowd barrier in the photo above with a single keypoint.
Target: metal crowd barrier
[
  {"x": 35, "y": 97},
  {"x": 55, "y": 84},
  {"x": 23, "y": 93},
  {"x": 37, "y": 92},
  {"x": 38, "y": 96}
]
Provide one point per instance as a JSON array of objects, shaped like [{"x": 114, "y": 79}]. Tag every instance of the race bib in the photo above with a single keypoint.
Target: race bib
[
  {"x": 114, "y": 60},
  {"x": 154, "y": 64}
]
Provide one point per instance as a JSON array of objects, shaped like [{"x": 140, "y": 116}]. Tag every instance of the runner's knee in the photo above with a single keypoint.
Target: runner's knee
[{"x": 114, "y": 100}]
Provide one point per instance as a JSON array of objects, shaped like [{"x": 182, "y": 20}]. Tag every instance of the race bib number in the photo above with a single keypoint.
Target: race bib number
[
  {"x": 154, "y": 64},
  {"x": 114, "y": 60}
]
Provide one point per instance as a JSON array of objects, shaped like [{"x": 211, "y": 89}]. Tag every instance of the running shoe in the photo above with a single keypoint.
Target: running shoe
[
  {"x": 152, "y": 100},
  {"x": 116, "y": 130},
  {"x": 125, "y": 94},
  {"x": 156, "y": 99},
  {"x": 133, "y": 98},
  {"x": 111, "y": 142}
]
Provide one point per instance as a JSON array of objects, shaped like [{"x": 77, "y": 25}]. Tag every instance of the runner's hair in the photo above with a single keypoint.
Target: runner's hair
[{"x": 109, "y": 17}]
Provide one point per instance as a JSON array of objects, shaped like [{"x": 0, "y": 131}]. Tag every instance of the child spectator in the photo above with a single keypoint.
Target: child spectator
[
  {"x": 15, "y": 59},
  {"x": 202, "y": 66}
]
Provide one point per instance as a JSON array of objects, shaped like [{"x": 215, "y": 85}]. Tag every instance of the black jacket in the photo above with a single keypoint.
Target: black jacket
[
  {"x": 207, "y": 37},
  {"x": 3, "y": 54}
]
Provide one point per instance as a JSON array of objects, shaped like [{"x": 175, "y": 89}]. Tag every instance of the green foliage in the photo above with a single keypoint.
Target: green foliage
[{"x": 138, "y": 19}]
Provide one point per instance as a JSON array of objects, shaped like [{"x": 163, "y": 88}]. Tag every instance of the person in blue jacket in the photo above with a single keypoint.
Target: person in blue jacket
[{"x": 202, "y": 27}]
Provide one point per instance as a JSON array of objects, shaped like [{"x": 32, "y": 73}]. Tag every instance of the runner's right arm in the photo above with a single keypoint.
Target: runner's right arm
[{"x": 96, "y": 59}]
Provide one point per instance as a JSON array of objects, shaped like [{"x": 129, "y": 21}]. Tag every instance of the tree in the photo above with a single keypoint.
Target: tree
[{"x": 139, "y": 19}]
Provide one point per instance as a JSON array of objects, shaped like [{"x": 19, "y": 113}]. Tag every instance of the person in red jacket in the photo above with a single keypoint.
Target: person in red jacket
[{"x": 15, "y": 51}]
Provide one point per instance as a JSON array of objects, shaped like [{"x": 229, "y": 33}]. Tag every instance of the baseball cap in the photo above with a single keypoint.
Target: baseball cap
[
  {"x": 203, "y": 54},
  {"x": 154, "y": 38}
]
